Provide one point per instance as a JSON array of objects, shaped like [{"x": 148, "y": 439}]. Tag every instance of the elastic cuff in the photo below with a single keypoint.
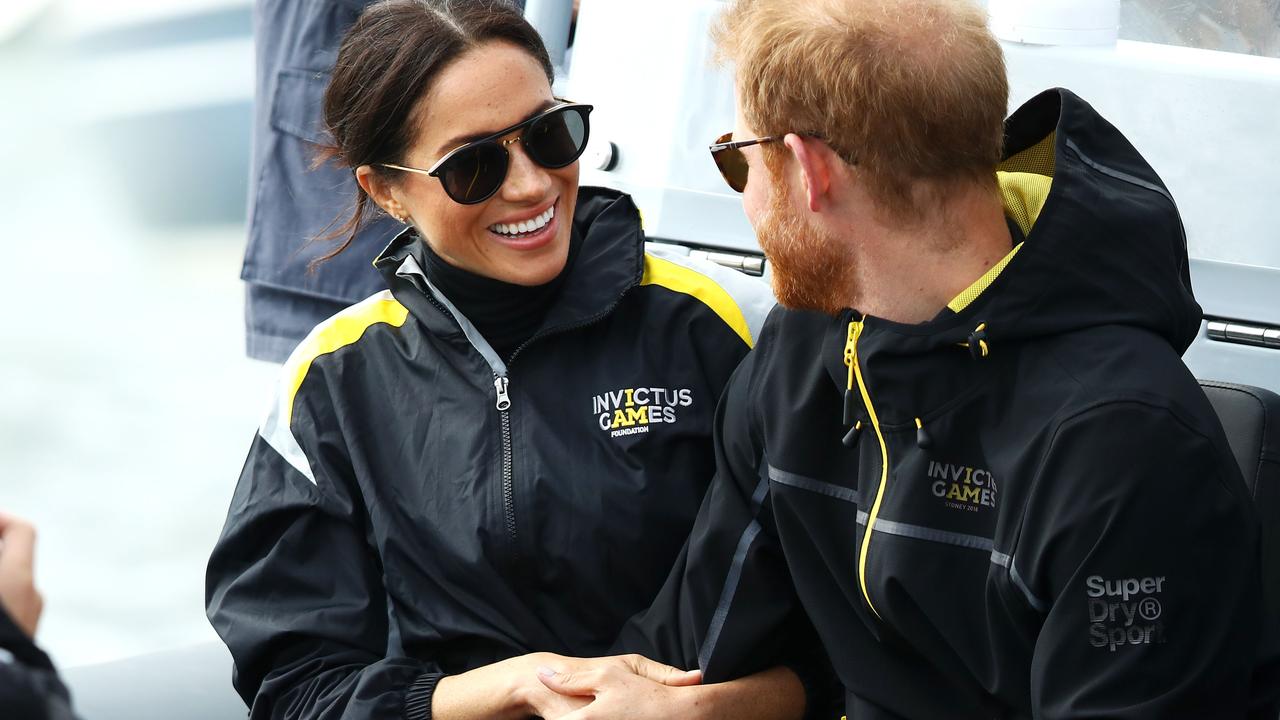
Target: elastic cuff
[{"x": 417, "y": 699}]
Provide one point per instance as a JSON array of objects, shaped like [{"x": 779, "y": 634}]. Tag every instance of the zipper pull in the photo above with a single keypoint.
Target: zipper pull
[{"x": 504, "y": 400}]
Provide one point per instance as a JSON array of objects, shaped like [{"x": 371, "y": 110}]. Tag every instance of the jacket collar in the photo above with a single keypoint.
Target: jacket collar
[{"x": 610, "y": 263}]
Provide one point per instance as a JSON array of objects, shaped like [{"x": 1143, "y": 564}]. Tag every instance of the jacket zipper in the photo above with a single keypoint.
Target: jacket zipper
[
  {"x": 501, "y": 386},
  {"x": 855, "y": 374},
  {"x": 501, "y": 383}
]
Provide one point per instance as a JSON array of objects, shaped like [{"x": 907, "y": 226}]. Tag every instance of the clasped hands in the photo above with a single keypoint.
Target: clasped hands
[{"x": 621, "y": 687}]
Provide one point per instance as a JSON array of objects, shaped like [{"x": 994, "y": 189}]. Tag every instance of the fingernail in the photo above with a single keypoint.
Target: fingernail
[{"x": 545, "y": 671}]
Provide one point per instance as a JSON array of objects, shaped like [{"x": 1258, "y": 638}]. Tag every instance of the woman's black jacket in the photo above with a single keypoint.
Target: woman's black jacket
[{"x": 409, "y": 478}]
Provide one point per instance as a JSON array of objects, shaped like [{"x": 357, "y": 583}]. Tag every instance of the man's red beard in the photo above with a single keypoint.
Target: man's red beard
[{"x": 811, "y": 269}]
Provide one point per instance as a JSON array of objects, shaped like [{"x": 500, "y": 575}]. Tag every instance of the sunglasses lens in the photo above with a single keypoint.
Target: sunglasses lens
[
  {"x": 476, "y": 173},
  {"x": 732, "y": 164},
  {"x": 559, "y": 138}
]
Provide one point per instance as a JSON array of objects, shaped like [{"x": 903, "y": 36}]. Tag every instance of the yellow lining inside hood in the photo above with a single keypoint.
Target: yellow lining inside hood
[{"x": 1025, "y": 180}]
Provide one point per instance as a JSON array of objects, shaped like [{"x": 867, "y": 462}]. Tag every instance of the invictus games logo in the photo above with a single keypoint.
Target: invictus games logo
[
  {"x": 1125, "y": 611},
  {"x": 962, "y": 487},
  {"x": 631, "y": 411}
]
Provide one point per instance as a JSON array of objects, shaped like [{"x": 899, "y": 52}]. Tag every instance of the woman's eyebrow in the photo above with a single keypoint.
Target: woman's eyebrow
[{"x": 461, "y": 140}]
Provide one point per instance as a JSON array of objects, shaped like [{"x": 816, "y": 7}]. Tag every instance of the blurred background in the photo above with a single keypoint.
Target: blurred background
[{"x": 126, "y": 401}]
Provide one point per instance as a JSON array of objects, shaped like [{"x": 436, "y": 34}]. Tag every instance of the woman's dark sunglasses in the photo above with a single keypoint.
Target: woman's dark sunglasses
[
  {"x": 472, "y": 173},
  {"x": 729, "y": 158}
]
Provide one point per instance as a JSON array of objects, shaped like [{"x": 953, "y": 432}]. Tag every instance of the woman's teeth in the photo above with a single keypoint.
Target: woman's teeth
[{"x": 528, "y": 226}]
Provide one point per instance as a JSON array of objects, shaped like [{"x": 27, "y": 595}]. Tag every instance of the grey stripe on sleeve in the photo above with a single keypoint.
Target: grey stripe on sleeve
[
  {"x": 731, "y": 581},
  {"x": 1006, "y": 562},
  {"x": 782, "y": 477}
]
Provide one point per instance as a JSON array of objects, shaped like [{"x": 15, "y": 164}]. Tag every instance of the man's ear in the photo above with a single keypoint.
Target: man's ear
[{"x": 815, "y": 169}]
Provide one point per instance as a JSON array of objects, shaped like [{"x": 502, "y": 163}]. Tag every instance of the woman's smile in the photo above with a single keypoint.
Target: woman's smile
[{"x": 528, "y": 230}]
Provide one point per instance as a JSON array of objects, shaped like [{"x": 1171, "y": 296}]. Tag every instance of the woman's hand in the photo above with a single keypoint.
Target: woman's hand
[
  {"x": 506, "y": 690},
  {"x": 632, "y": 687},
  {"x": 628, "y": 678},
  {"x": 624, "y": 686}
]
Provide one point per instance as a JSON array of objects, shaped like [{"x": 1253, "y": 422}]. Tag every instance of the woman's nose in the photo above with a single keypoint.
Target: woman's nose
[{"x": 526, "y": 180}]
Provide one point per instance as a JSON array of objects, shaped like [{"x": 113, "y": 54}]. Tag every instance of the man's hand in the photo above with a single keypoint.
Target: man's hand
[
  {"x": 18, "y": 592},
  {"x": 624, "y": 687}
]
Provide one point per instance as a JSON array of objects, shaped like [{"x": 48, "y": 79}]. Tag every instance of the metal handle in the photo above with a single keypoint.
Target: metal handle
[{"x": 1243, "y": 333}]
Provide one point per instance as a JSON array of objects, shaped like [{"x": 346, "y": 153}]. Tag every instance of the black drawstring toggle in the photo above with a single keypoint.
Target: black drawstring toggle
[
  {"x": 849, "y": 404},
  {"x": 923, "y": 440},
  {"x": 978, "y": 347},
  {"x": 851, "y": 437}
]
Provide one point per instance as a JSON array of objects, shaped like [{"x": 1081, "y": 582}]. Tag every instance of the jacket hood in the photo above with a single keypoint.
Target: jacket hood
[
  {"x": 609, "y": 263},
  {"x": 1104, "y": 246},
  {"x": 1104, "y": 241}
]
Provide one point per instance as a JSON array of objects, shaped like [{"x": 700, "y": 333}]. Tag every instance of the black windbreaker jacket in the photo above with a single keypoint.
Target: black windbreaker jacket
[
  {"x": 1023, "y": 508},
  {"x": 494, "y": 507}
]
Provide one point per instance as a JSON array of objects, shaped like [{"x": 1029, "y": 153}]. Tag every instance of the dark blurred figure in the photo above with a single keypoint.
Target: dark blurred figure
[
  {"x": 290, "y": 204},
  {"x": 29, "y": 685}
]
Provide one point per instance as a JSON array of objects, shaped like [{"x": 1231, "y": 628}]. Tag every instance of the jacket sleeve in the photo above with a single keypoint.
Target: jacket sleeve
[
  {"x": 1140, "y": 550},
  {"x": 294, "y": 586},
  {"x": 729, "y": 601},
  {"x": 30, "y": 688}
]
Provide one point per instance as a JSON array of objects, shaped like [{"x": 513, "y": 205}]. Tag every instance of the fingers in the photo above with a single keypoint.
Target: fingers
[
  {"x": 568, "y": 683},
  {"x": 18, "y": 595},
  {"x": 17, "y": 554},
  {"x": 551, "y": 705},
  {"x": 660, "y": 673}
]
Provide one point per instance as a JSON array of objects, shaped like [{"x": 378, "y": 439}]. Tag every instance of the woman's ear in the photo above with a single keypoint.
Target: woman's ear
[{"x": 379, "y": 189}]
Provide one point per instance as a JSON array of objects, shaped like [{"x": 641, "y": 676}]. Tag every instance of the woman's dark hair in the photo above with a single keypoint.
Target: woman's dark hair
[{"x": 387, "y": 61}]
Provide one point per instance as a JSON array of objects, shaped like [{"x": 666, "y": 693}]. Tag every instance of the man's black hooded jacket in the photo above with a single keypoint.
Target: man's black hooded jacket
[{"x": 1023, "y": 508}]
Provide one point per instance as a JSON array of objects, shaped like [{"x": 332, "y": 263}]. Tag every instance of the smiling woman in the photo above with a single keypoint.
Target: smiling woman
[{"x": 436, "y": 454}]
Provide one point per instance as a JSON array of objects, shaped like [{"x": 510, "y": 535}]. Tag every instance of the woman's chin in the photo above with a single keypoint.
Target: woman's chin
[{"x": 530, "y": 271}]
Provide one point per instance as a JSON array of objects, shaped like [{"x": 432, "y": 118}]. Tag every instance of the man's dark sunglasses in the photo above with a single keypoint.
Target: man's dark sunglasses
[
  {"x": 472, "y": 173},
  {"x": 729, "y": 158}
]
